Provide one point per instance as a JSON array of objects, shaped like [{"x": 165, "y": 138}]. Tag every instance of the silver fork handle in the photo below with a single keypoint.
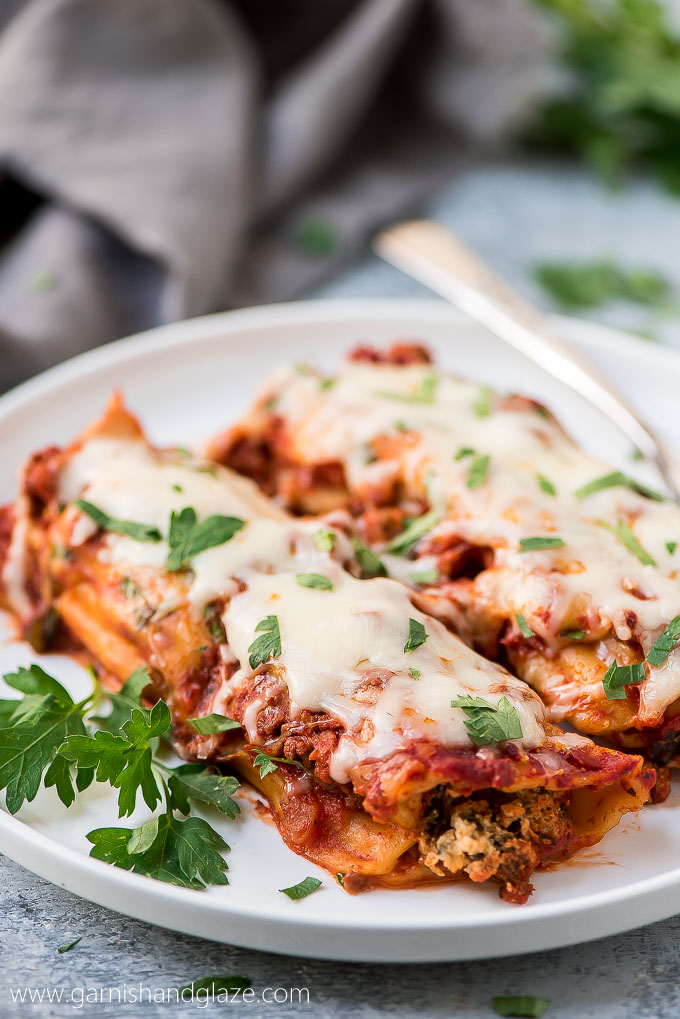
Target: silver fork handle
[{"x": 430, "y": 253}]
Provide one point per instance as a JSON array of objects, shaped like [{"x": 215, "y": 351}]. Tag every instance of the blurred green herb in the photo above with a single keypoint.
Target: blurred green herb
[
  {"x": 591, "y": 284},
  {"x": 622, "y": 108},
  {"x": 316, "y": 237}
]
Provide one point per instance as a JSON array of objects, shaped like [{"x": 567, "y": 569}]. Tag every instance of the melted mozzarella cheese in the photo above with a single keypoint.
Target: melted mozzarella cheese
[
  {"x": 368, "y": 401},
  {"x": 331, "y": 640}
]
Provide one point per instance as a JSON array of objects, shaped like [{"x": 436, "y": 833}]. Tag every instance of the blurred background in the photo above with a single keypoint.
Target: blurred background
[{"x": 161, "y": 159}]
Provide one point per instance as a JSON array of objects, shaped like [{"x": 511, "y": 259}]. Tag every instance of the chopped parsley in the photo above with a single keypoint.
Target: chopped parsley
[
  {"x": 138, "y": 532},
  {"x": 425, "y": 577},
  {"x": 176, "y": 488},
  {"x": 317, "y": 237},
  {"x": 524, "y": 627},
  {"x": 187, "y": 537},
  {"x": 325, "y": 384},
  {"x": 623, "y": 532},
  {"x": 488, "y": 723},
  {"x": 267, "y": 645},
  {"x": 417, "y": 636},
  {"x": 415, "y": 529},
  {"x": 617, "y": 479},
  {"x": 208, "y": 725},
  {"x": 664, "y": 644},
  {"x": 524, "y": 1006},
  {"x": 324, "y": 539},
  {"x": 535, "y": 544},
  {"x": 618, "y": 676},
  {"x": 546, "y": 485},
  {"x": 415, "y": 674},
  {"x": 479, "y": 469},
  {"x": 426, "y": 393},
  {"x": 315, "y": 580},
  {"x": 69, "y": 945},
  {"x": 463, "y": 452},
  {"x": 671, "y": 547},
  {"x": 267, "y": 764},
  {"x": 302, "y": 889},
  {"x": 483, "y": 405},
  {"x": 591, "y": 284},
  {"x": 572, "y": 634},
  {"x": 368, "y": 561}
]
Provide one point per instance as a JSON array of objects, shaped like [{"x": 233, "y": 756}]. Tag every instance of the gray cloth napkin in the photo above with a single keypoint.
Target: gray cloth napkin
[{"x": 164, "y": 158}]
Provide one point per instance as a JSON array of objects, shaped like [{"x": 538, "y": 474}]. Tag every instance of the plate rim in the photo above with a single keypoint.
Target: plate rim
[{"x": 25, "y": 840}]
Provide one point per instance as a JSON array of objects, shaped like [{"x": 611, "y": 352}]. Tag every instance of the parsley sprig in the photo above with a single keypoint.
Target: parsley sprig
[
  {"x": 129, "y": 528},
  {"x": 488, "y": 723},
  {"x": 187, "y": 537}
]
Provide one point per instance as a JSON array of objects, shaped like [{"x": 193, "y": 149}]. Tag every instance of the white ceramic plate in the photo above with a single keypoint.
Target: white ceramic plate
[{"x": 189, "y": 380}]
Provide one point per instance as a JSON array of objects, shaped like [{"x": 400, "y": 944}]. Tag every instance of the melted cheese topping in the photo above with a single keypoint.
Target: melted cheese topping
[
  {"x": 331, "y": 641},
  {"x": 594, "y": 571}
]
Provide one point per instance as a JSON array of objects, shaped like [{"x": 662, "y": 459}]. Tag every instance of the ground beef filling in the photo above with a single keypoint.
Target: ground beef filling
[{"x": 495, "y": 835}]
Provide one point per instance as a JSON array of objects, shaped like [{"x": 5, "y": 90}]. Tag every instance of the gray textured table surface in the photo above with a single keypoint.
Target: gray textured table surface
[{"x": 514, "y": 217}]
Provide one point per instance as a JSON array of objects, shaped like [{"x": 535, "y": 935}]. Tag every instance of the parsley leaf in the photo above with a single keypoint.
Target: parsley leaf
[
  {"x": 489, "y": 723},
  {"x": 539, "y": 542},
  {"x": 671, "y": 547},
  {"x": 417, "y": 636},
  {"x": 524, "y": 627},
  {"x": 665, "y": 643},
  {"x": 207, "y": 725},
  {"x": 266, "y": 763},
  {"x": 69, "y": 945},
  {"x": 316, "y": 237},
  {"x": 124, "y": 701},
  {"x": 187, "y": 538},
  {"x": 572, "y": 634},
  {"x": 324, "y": 540},
  {"x": 185, "y": 853},
  {"x": 415, "y": 674},
  {"x": 415, "y": 529},
  {"x": 546, "y": 485},
  {"x": 139, "y": 532},
  {"x": 618, "y": 676},
  {"x": 205, "y": 784},
  {"x": 479, "y": 468},
  {"x": 315, "y": 580},
  {"x": 463, "y": 452},
  {"x": 124, "y": 761},
  {"x": 526, "y": 1006},
  {"x": 267, "y": 645},
  {"x": 592, "y": 284},
  {"x": 617, "y": 480},
  {"x": 623, "y": 532},
  {"x": 36, "y": 729},
  {"x": 368, "y": 561},
  {"x": 303, "y": 888}
]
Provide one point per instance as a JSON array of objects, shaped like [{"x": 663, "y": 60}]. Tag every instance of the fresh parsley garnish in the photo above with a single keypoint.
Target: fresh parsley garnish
[
  {"x": 35, "y": 730},
  {"x": 592, "y": 284},
  {"x": 415, "y": 674},
  {"x": 204, "y": 784},
  {"x": 524, "y": 1006},
  {"x": 671, "y": 547},
  {"x": 324, "y": 539},
  {"x": 489, "y": 723},
  {"x": 268, "y": 644},
  {"x": 325, "y": 384},
  {"x": 623, "y": 532},
  {"x": 208, "y": 725},
  {"x": 127, "y": 699},
  {"x": 664, "y": 644},
  {"x": 69, "y": 945},
  {"x": 477, "y": 474},
  {"x": 138, "y": 532},
  {"x": 483, "y": 405},
  {"x": 536, "y": 544},
  {"x": 546, "y": 485},
  {"x": 463, "y": 452},
  {"x": 618, "y": 676},
  {"x": 415, "y": 529},
  {"x": 524, "y": 627},
  {"x": 303, "y": 888},
  {"x": 425, "y": 577},
  {"x": 368, "y": 561},
  {"x": 617, "y": 479},
  {"x": 426, "y": 393},
  {"x": 417, "y": 635},
  {"x": 266, "y": 763},
  {"x": 572, "y": 634},
  {"x": 187, "y": 538},
  {"x": 315, "y": 580}
]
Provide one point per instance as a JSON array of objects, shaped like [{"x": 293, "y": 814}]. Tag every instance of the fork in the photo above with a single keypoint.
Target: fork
[{"x": 431, "y": 254}]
